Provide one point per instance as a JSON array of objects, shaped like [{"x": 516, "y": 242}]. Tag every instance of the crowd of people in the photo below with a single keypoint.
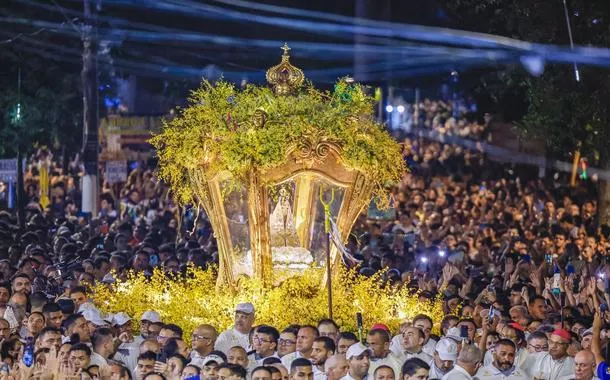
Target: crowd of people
[
  {"x": 521, "y": 266},
  {"x": 451, "y": 118}
]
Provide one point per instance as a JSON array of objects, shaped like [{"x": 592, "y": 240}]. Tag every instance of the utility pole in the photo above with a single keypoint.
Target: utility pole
[
  {"x": 17, "y": 120},
  {"x": 90, "y": 113}
]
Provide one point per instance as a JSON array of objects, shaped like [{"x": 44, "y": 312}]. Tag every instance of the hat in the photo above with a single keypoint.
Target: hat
[
  {"x": 563, "y": 334},
  {"x": 447, "y": 349},
  {"x": 455, "y": 334},
  {"x": 109, "y": 318},
  {"x": 517, "y": 326},
  {"x": 151, "y": 316},
  {"x": 244, "y": 307},
  {"x": 93, "y": 316},
  {"x": 120, "y": 319},
  {"x": 356, "y": 349},
  {"x": 200, "y": 362},
  {"x": 587, "y": 332},
  {"x": 380, "y": 326}
]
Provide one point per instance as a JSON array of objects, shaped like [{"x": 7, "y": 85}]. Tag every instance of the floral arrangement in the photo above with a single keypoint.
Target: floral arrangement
[
  {"x": 196, "y": 299},
  {"x": 227, "y": 129}
]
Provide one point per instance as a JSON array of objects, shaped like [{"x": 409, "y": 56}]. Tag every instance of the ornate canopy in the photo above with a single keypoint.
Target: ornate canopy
[{"x": 260, "y": 162}]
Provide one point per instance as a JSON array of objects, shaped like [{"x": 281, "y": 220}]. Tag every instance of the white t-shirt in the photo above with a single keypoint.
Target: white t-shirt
[
  {"x": 489, "y": 372},
  {"x": 542, "y": 365},
  {"x": 457, "y": 373},
  {"x": 231, "y": 338}
]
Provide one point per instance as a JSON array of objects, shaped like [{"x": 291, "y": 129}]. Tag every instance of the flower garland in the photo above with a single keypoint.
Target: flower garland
[{"x": 196, "y": 299}]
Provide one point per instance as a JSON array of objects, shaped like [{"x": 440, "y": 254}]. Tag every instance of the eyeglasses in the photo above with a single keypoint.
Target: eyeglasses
[
  {"x": 200, "y": 337},
  {"x": 260, "y": 340},
  {"x": 285, "y": 342},
  {"x": 538, "y": 348}
]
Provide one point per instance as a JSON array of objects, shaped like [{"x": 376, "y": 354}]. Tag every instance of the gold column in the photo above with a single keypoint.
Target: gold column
[
  {"x": 209, "y": 195},
  {"x": 303, "y": 208},
  {"x": 258, "y": 223}
]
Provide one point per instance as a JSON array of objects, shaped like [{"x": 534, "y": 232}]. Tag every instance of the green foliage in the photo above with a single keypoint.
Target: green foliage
[
  {"x": 220, "y": 129},
  {"x": 50, "y": 98},
  {"x": 554, "y": 107}
]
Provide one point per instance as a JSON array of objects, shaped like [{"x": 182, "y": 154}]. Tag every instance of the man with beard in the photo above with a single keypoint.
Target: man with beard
[
  {"x": 239, "y": 334},
  {"x": 503, "y": 363},
  {"x": 21, "y": 283},
  {"x": 323, "y": 348}
]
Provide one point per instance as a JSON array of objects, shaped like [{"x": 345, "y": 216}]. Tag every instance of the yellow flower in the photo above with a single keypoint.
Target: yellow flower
[{"x": 196, "y": 300}]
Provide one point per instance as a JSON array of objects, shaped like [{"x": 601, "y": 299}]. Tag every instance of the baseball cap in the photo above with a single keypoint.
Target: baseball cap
[
  {"x": 587, "y": 332},
  {"x": 517, "y": 326},
  {"x": 121, "y": 318},
  {"x": 447, "y": 349},
  {"x": 93, "y": 316},
  {"x": 151, "y": 316},
  {"x": 200, "y": 362},
  {"x": 455, "y": 334},
  {"x": 380, "y": 326},
  {"x": 563, "y": 334},
  {"x": 356, "y": 349},
  {"x": 244, "y": 307}
]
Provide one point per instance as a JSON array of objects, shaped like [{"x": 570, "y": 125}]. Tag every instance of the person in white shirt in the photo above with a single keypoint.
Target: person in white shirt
[
  {"x": 287, "y": 343},
  {"x": 358, "y": 359},
  {"x": 323, "y": 348},
  {"x": 238, "y": 335},
  {"x": 148, "y": 317},
  {"x": 264, "y": 342},
  {"x": 103, "y": 346},
  {"x": 425, "y": 324},
  {"x": 415, "y": 369},
  {"x": 413, "y": 339},
  {"x": 203, "y": 339},
  {"x": 336, "y": 367},
  {"x": 378, "y": 340},
  {"x": 307, "y": 334},
  {"x": 503, "y": 364},
  {"x": 552, "y": 365},
  {"x": 128, "y": 350},
  {"x": 445, "y": 356},
  {"x": 468, "y": 362}
]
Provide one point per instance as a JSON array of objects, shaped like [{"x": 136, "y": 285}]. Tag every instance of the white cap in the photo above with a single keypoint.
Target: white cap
[
  {"x": 447, "y": 349},
  {"x": 109, "y": 318},
  {"x": 93, "y": 316},
  {"x": 455, "y": 334},
  {"x": 87, "y": 306},
  {"x": 121, "y": 318},
  {"x": 356, "y": 349},
  {"x": 244, "y": 307},
  {"x": 200, "y": 362},
  {"x": 151, "y": 316}
]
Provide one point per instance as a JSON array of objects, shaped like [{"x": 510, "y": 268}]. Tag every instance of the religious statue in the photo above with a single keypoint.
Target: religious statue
[{"x": 283, "y": 230}]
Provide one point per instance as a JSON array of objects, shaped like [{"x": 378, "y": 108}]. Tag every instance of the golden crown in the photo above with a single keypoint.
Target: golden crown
[{"x": 284, "y": 77}]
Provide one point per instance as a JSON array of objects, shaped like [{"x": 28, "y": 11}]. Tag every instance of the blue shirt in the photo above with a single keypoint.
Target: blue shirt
[{"x": 603, "y": 372}]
